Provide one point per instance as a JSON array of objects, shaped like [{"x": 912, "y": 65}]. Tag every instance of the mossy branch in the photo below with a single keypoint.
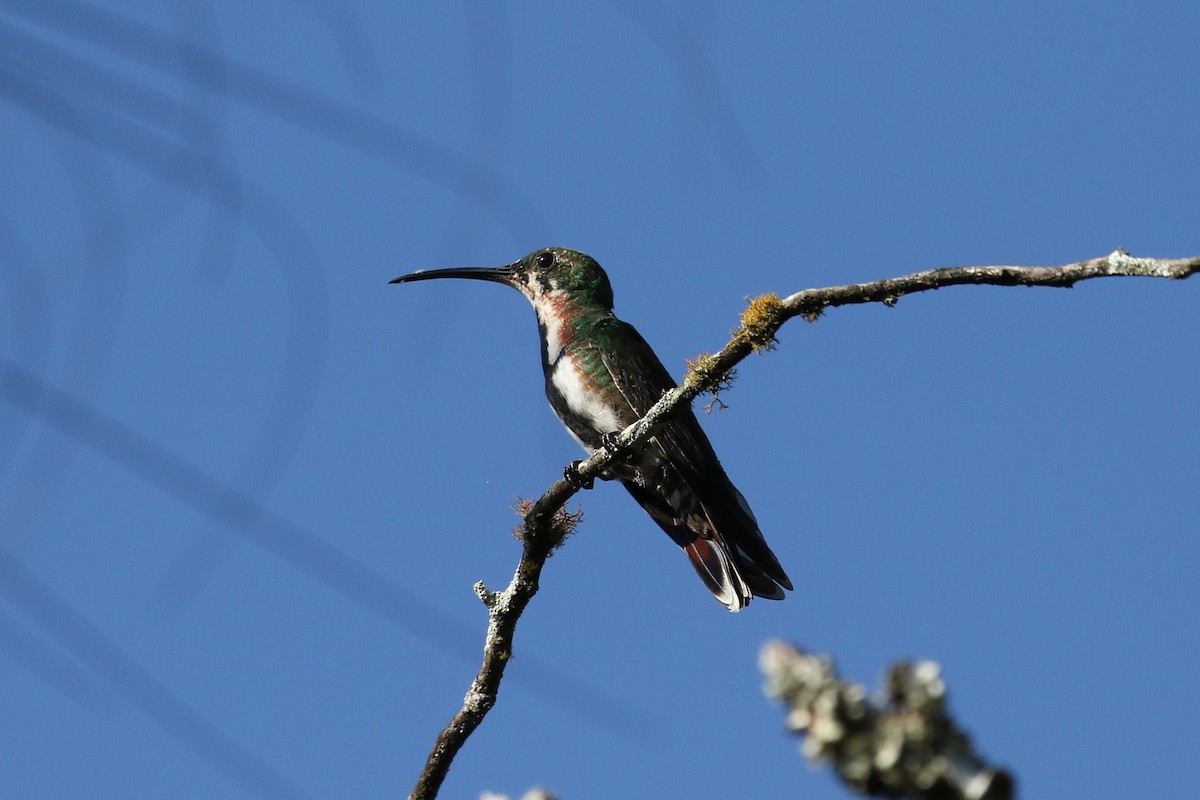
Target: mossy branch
[{"x": 543, "y": 528}]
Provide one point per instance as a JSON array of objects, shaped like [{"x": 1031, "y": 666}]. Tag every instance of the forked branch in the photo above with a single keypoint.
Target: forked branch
[{"x": 545, "y": 524}]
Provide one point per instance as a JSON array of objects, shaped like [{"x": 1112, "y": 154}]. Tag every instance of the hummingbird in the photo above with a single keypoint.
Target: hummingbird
[{"x": 601, "y": 377}]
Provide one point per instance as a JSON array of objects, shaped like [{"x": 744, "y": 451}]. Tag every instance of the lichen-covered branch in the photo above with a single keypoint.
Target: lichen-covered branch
[
  {"x": 540, "y": 535},
  {"x": 545, "y": 524},
  {"x": 901, "y": 744}
]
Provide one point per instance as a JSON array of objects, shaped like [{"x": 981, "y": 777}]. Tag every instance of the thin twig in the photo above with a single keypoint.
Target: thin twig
[{"x": 543, "y": 529}]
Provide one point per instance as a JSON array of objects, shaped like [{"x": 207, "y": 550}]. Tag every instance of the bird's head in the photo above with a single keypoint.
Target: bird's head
[{"x": 550, "y": 277}]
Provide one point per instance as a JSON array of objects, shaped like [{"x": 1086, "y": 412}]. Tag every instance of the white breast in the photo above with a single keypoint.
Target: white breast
[{"x": 582, "y": 401}]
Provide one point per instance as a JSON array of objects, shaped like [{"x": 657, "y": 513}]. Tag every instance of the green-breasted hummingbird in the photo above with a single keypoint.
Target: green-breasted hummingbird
[{"x": 601, "y": 376}]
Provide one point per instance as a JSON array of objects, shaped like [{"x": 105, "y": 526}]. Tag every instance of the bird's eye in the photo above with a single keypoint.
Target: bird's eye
[{"x": 545, "y": 260}]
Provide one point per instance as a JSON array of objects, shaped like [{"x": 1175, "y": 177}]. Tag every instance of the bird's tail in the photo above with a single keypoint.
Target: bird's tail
[
  {"x": 729, "y": 573},
  {"x": 732, "y": 575},
  {"x": 716, "y": 568}
]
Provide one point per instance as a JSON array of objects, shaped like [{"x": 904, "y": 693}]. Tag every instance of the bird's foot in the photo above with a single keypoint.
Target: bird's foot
[
  {"x": 571, "y": 473},
  {"x": 609, "y": 440}
]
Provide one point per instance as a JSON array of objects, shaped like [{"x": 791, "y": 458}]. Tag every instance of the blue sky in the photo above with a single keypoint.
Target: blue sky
[{"x": 248, "y": 485}]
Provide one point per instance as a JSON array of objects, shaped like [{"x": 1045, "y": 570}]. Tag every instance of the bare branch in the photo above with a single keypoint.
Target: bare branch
[
  {"x": 539, "y": 539},
  {"x": 544, "y": 528},
  {"x": 1116, "y": 263},
  {"x": 901, "y": 745}
]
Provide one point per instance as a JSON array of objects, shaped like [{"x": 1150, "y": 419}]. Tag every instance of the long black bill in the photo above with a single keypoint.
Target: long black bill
[{"x": 505, "y": 275}]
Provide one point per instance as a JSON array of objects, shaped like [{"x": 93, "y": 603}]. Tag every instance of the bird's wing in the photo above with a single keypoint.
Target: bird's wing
[{"x": 642, "y": 379}]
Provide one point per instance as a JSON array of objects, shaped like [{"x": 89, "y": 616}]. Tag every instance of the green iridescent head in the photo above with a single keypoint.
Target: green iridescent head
[{"x": 542, "y": 275}]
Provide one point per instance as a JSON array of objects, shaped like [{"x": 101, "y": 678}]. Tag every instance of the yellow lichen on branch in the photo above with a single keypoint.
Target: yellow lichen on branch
[
  {"x": 705, "y": 374},
  {"x": 760, "y": 320}
]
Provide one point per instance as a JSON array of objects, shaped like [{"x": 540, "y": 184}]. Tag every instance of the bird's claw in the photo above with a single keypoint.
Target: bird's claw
[
  {"x": 571, "y": 473},
  {"x": 608, "y": 441}
]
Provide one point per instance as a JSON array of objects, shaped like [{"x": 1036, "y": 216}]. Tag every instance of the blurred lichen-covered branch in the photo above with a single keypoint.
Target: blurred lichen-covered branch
[{"x": 901, "y": 743}]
